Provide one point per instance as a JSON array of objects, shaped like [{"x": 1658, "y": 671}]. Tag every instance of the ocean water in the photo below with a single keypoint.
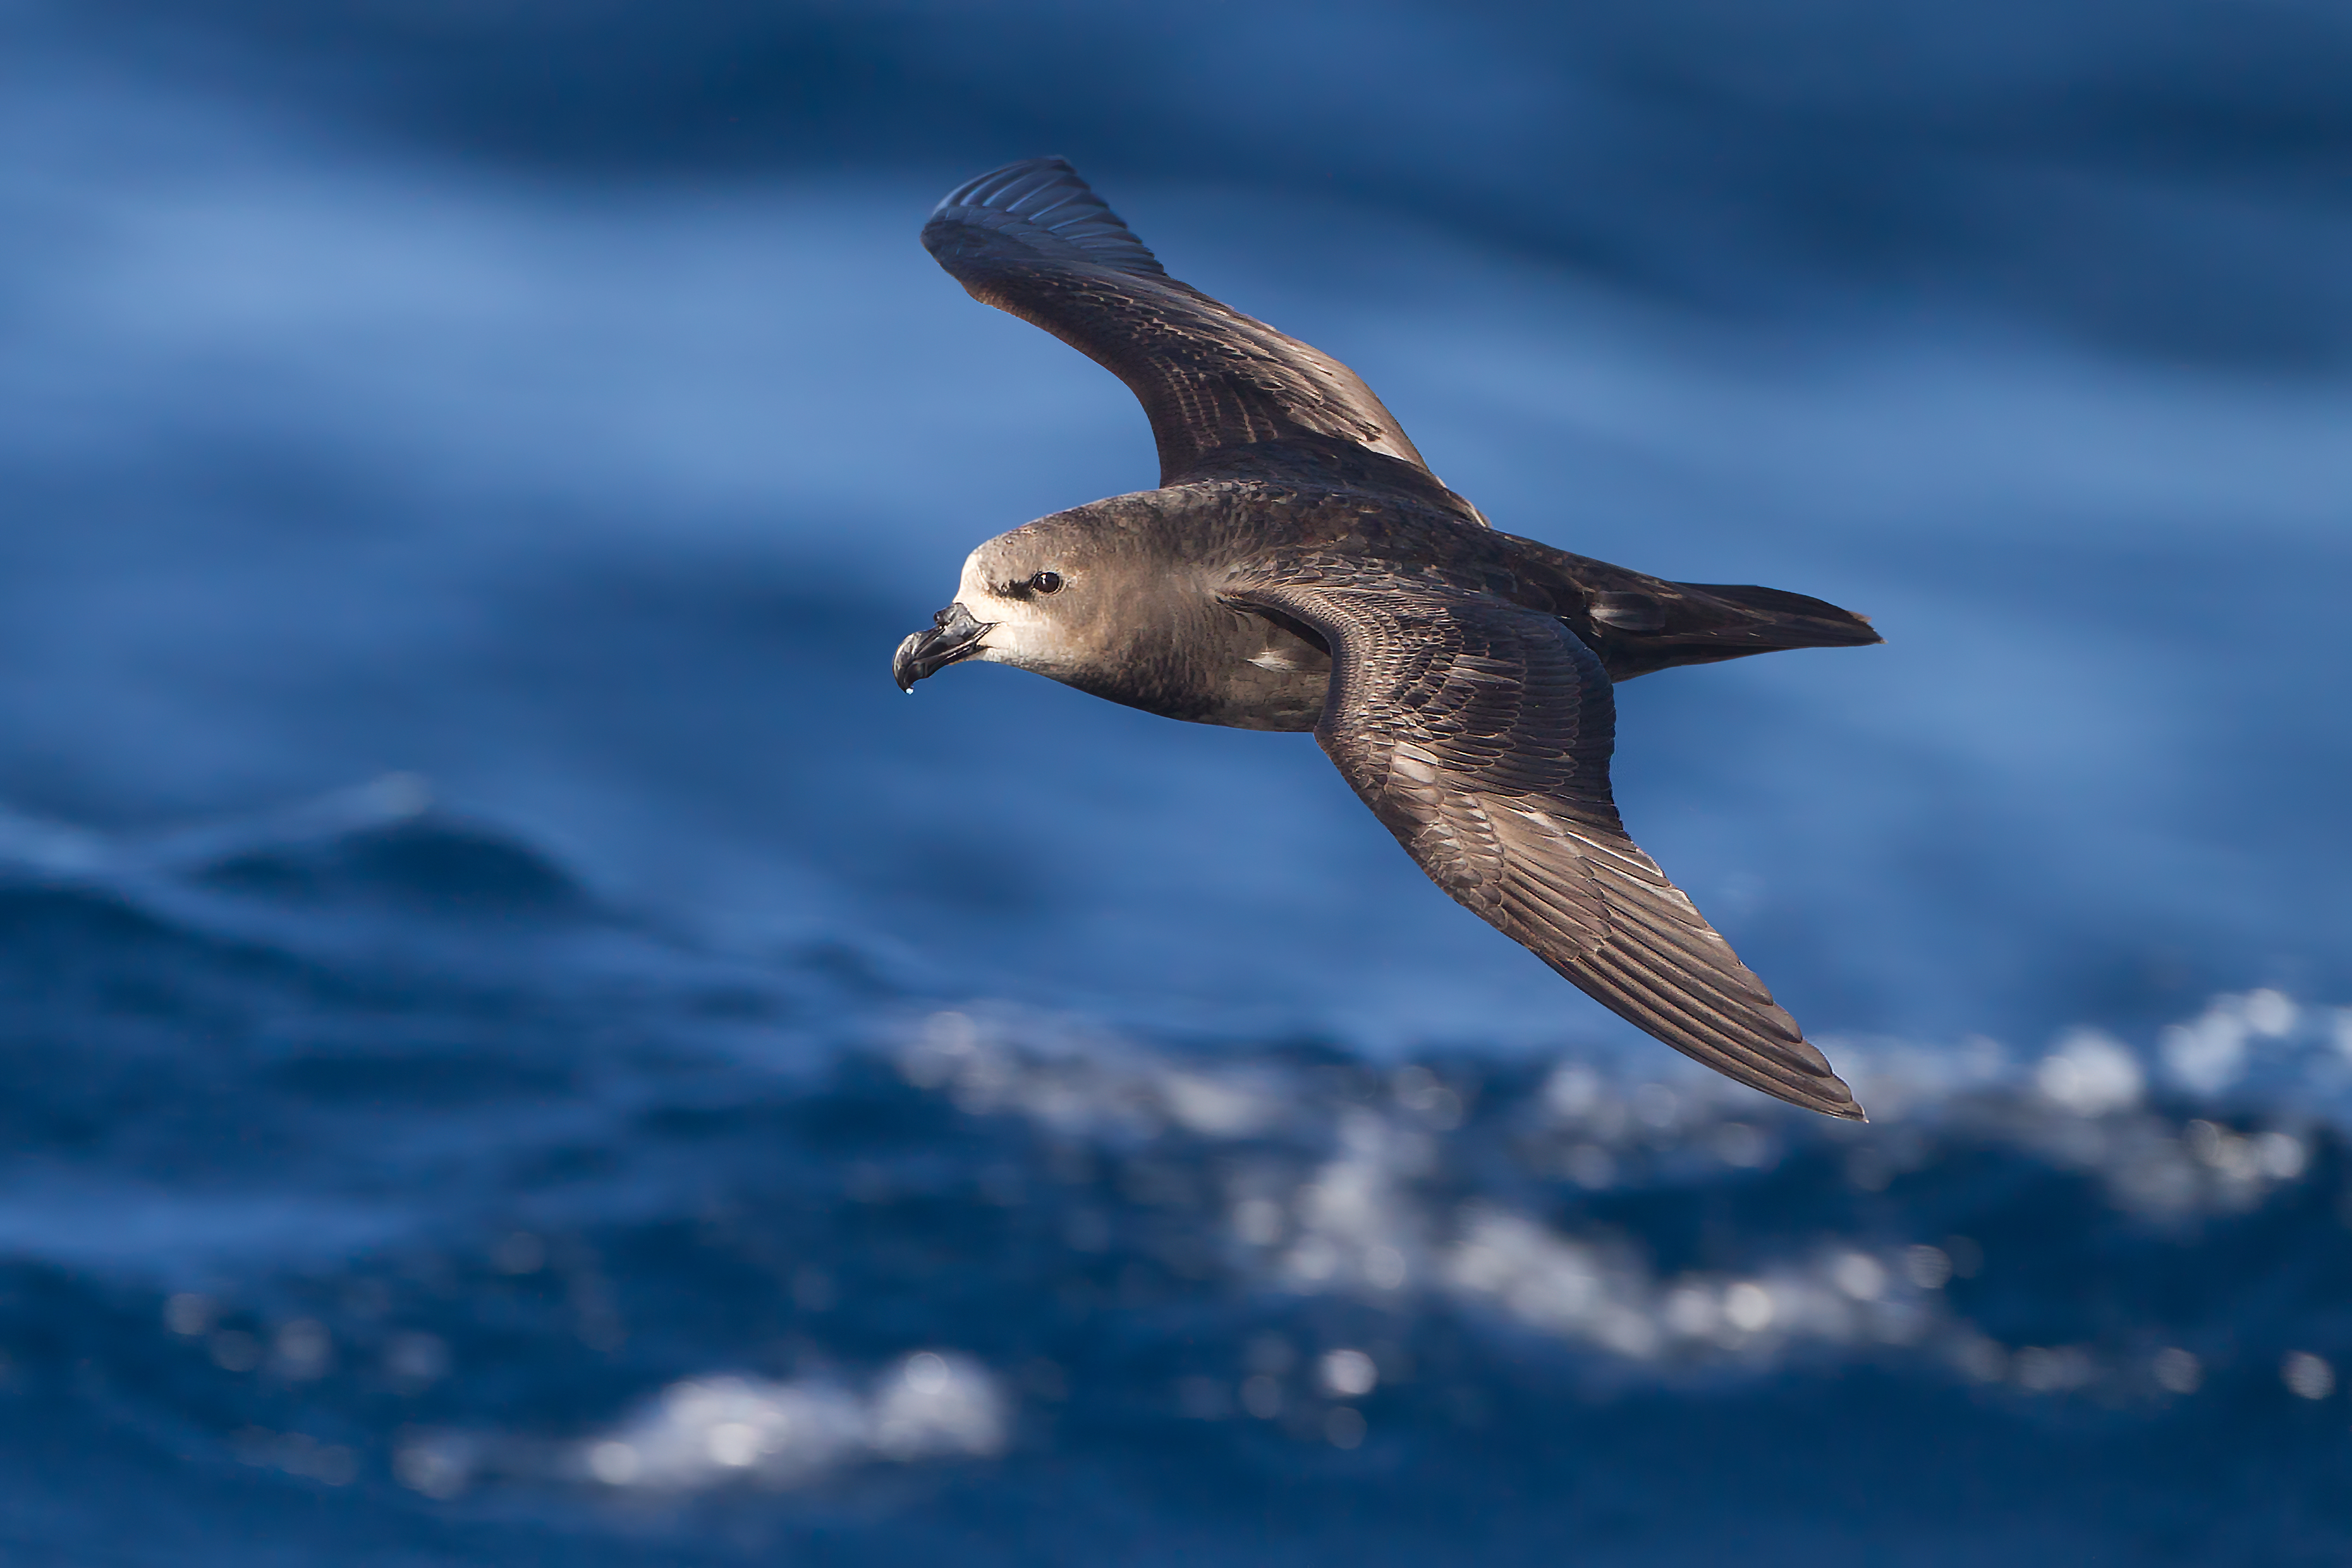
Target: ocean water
[{"x": 521, "y": 1047}]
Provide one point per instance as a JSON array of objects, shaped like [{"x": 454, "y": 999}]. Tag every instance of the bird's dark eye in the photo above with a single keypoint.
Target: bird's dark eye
[{"x": 1046, "y": 582}]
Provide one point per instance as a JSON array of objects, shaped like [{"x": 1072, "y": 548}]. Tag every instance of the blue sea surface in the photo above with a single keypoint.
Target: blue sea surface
[{"x": 519, "y": 1046}]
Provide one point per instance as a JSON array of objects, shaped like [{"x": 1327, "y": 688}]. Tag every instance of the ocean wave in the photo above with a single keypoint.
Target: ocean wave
[{"x": 1017, "y": 1215}]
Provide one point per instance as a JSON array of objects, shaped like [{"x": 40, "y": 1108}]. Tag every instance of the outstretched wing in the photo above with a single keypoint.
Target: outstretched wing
[
  {"x": 1480, "y": 733},
  {"x": 1033, "y": 240}
]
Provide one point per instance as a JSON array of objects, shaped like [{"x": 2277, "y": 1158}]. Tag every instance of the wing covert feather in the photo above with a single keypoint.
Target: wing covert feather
[{"x": 1480, "y": 733}]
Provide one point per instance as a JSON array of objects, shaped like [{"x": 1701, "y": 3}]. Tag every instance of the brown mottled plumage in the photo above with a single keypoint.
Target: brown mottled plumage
[{"x": 1300, "y": 568}]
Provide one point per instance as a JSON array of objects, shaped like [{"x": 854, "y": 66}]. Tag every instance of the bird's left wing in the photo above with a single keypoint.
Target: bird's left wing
[
  {"x": 1032, "y": 239},
  {"x": 1480, "y": 733}
]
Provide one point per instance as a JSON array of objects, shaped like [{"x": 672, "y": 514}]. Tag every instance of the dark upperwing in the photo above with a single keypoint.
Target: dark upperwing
[{"x": 1033, "y": 240}]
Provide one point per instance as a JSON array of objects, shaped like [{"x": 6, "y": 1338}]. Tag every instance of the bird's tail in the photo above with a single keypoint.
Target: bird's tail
[
  {"x": 1638, "y": 623},
  {"x": 1702, "y": 623}
]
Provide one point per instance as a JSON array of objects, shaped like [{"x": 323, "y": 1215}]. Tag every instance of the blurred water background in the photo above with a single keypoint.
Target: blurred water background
[{"x": 521, "y": 1047}]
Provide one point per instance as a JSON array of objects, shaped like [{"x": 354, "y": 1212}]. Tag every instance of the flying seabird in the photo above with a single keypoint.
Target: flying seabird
[{"x": 1299, "y": 567}]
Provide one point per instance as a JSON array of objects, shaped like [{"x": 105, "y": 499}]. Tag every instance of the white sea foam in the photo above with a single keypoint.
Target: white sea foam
[
  {"x": 1354, "y": 1210},
  {"x": 707, "y": 1431}
]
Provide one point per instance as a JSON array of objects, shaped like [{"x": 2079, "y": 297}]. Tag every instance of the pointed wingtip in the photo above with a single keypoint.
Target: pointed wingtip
[
  {"x": 1845, "y": 1107},
  {"x": 1830, "y": 1097},
  {"x": 1037, "y": 208}
]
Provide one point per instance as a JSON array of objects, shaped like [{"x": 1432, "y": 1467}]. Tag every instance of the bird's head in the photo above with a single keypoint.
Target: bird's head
[{"x": 1037, "y": 598}]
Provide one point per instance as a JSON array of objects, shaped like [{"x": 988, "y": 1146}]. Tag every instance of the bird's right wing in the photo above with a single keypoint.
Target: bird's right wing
[
  {"x": 1480, "y": 733},
  {"x": 1032, "y": 239}
]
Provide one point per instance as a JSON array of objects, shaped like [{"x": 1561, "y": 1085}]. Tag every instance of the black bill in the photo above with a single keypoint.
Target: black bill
[{"x": 953, "y": 635}]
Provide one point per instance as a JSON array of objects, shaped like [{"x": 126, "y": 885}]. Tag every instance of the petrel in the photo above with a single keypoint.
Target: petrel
[{"x": 1300, "y": 568}]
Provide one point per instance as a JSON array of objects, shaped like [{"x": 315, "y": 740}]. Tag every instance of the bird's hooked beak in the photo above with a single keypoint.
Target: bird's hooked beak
[{"x": 953, "y": 635}]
